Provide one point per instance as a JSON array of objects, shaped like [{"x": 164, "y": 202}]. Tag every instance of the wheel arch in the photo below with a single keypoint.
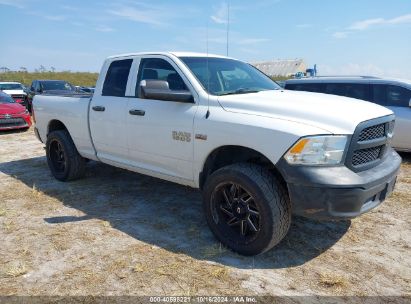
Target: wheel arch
[
  {"x": 229, "y": 154},
  {"x": 55, "y": 125}
]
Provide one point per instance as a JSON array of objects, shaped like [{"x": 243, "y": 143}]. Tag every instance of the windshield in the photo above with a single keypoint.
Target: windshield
[
  {"x": 222, "y": 76},
  {"x": 4, "y": 98},
  {"x": 56, "y": 85},
  {"x": 10, "y": 86}
]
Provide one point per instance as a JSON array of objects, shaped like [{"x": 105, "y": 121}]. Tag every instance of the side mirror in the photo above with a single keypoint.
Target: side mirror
[
  {"x": 159, "y": 89},
  {"x": 409, "y": 103},
  {"x": 39, "y": 90}
]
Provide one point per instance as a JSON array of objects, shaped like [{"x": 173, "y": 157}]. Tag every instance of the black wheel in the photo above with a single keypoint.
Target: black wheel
[
  {"x": 247, "y": 208},
  {"x": 63, "y": 159}
]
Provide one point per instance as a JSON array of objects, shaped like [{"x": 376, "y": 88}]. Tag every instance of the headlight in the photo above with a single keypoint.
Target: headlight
[
  {"x": 24, "y": 112},
  {"x": 317, "y": 150}
]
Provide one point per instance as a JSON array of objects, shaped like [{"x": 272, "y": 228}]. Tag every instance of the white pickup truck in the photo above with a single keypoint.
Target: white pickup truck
[{"x": 258, "y": 153}]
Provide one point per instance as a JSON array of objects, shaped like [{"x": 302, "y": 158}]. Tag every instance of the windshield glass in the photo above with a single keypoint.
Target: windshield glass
[
  {"x": 56, "y": 85},
  {"x": 10, "y": 86},
  {"x": 4, "y": 98},
  {"x": 222, "y": 76}
]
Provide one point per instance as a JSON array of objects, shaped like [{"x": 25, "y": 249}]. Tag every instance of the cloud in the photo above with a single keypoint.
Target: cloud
[
  {"x": 48, "y": 17},
  {"x": 220, "y": 15},
  {"x": 365, "y": 24},
  {"x": 370, "y": 23},
  {"x": 105, "y": 29},
  {"x": 352, "y": 69},
  {"x": 70, "y": 8},
  {"x": 15, "y": 3},
  {"x": 304, "y": 25},
  {"x": 340, "y": 35},
  {"x": 54, "y": 18},
  {"x": 143, "y": 13}
]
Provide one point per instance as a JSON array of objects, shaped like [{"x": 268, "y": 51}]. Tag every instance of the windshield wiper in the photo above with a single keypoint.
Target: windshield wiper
[{"x": 240, "y": 91}]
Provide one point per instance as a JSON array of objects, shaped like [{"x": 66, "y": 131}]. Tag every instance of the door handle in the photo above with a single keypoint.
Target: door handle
[
  {"x": 99, "y": 108},
  {"x": 137, "y": 112}
]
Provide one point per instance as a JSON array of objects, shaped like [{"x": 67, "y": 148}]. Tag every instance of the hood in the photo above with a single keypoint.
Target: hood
[
  {"x": 15, "y": 92},
  {"x": 334, "y": 114},
  {"x": 11, "y": 108}
]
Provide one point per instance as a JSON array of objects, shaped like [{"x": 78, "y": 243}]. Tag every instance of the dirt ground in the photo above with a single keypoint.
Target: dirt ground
[{"x": 120, "y": 233}]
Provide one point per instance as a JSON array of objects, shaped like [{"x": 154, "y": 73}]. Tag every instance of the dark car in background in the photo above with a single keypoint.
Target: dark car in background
[
  {"x": 55, "y": 87},
  {"x": 391, "y": 93}
]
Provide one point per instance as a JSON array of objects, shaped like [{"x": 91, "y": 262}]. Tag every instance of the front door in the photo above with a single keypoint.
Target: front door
[{"x": 161, "y": 132}]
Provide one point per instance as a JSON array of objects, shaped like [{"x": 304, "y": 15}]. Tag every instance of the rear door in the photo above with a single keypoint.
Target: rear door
[
  {"x": 108, "y": 113},
  {"x": 161, "y": 132},
  {"x": 397, "y": 99}
]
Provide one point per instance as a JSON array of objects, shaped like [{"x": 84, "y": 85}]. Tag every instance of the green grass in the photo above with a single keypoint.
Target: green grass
[
  {"x": 75, "y": 78},
  {"x": 280, "y": 78}
]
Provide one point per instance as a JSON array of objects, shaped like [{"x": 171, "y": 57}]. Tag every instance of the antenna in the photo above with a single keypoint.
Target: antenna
[
  {"x": 228, "y": 23},
  {"x": 208, "y": 81}
]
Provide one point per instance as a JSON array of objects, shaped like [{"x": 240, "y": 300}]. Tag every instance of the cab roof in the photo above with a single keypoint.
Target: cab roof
[{"x": 176, "y": 54}]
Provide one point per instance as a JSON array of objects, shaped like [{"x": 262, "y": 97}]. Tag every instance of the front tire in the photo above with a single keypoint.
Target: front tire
[
  {"x": 63, "y": 159},
  {"x": 247, "y": 208}
]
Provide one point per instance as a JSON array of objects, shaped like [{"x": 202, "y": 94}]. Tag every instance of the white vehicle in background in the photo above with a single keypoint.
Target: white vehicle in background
[
  {"x": 395, "y": 94},
  {"x": 16, "y": 91},
  {"x": 258, "y": 153}
]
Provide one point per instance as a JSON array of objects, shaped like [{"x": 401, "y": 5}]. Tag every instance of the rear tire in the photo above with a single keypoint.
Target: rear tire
[
  {"x": 63, "y": 159},
  {"x": 247, "y": 208}
]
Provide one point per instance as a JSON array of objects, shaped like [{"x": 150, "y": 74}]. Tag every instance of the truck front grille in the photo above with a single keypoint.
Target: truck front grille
[
  {"x": 12, "y": 122},
  {"x": 366, "y": 155},
  {"x": 372, "y": 132},
  {"x": 369, "y": 143}
]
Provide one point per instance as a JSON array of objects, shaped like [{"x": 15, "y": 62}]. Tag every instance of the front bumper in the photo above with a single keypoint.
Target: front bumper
[
  {"x": 16, "y": 121},
  {"x": 338, "y": 192}
]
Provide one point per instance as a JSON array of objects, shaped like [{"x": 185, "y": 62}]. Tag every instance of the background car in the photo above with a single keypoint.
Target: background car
[
  {"x": 12, "y": 114},
  {"x": 17, "y": 91},
  {"x": 56, "y": 87},
  {"x": 84, "y": 89},
  {"x": 391, "y": 93}
]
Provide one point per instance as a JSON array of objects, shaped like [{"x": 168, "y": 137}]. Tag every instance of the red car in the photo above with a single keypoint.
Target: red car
[{"x": 12, "y": 114}]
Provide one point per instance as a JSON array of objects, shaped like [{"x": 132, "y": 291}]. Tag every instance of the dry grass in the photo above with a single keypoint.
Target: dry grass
[
  {"x": 332, "y": 280},
  {"x": 109, "y": 235},
  {"x": 16, "y": 270}
]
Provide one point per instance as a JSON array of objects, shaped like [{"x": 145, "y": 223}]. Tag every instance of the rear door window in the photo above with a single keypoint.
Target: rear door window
[
  {"x": 391, "y": 95},
  {"x": 379, "y": 94},
  {"x": 308, "y": 87},
  {"x": 353, "y": 90},
  {"x": 116, "y": 78},
  {"x": 398, "y": 96}
]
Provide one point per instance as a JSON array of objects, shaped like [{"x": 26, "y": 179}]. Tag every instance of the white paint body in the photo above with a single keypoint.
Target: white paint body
[{"x": 269, "y": 122}]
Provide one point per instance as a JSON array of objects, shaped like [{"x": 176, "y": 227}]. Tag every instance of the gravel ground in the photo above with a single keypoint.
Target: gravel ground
[{"x": 120, "y": 233}]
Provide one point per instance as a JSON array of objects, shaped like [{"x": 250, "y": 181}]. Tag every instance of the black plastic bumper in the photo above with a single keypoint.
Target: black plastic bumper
[{"x": 338, "y": 192}]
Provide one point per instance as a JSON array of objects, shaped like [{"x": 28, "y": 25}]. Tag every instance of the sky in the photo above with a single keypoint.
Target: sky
[{"x": 343, "y": 37}]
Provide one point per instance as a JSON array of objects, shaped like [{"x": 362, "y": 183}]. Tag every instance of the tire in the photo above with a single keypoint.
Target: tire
[
  {"x": 63, "y": 159},
  {"x": 258, "y": 192}
]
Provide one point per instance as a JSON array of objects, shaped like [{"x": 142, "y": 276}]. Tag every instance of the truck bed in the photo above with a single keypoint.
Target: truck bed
[{"x": 71, "y": 110}]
